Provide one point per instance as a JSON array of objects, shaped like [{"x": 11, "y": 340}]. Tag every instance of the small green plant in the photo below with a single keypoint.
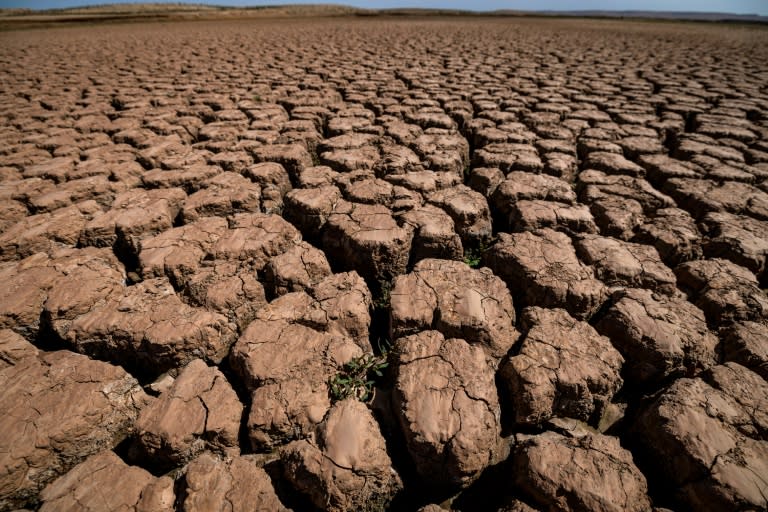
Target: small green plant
[
  {"x": 357, "y": 378},
  {"x": 257, "y": 98},
  {"x": 383, "y": 298},
  {"x": 473, "y": 255}
]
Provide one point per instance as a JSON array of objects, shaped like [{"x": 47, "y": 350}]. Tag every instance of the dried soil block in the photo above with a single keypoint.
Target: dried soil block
[
  {"x": 309, "y": 208},
  {"x": 508, "y": 157},
  {"x": 660, "y": 168},
  {"x": 738, "y": 238},
  {"x": 199, "y": 411},
  {"x": 456, "y": 300},
  {"x": 445, "y": 399},
  {"x": 190, "y": 177},
  {"x": 469, "y": 211},
  {"x": 345, "y": 466},
  {"x": 269, "y": 174},
  {"x": 625, "y": 264},
  {"x": 129, "y": 488},
  {"x": 134, "y": 215},
  {"x": 287, "y": 355},
  {"x": 541, "y": 269},
  {"x": 299, "y": 268},
  {"x": 57, "y": 409},
  {"x": 226, "y": 194},
  {"x": 50, "y": 288},
  {"x": 94, "y": 188},
  {"x": 178, "y": 252},
  {"x": 341, "y": 306},
  {"x": 445, "y": 152},
  {"x": 532, "y": 215},
  {"x": 746, "y": 343},
  {"x": 363, "y": 187},
  {"x": 293, "y": 157},
  {"x": 520, "y": 186},
  {"x": 706, "y": 437},
  {"x": 612, "y": 163},
  {"x": 659, "y": 336},
  {"x": 590, "y": 472},
  {"x": 233, "y": 483},
  {"x": 67, "y": 299},
  {"x": 349, "y": 160},
  {"x": 635, "y": 146},
  {"x": 14, "y": 348},
  {"x": 231, "y": 289},
  {"x": 485, "y": 180},
  {"x": 11, "y": 212},
  {"x": 254, "y": 238},
  {"x": 674, "y": 234},
  {"x": 563, "y": 368},
  {"x": 723, "y": 290},
  {"x": 619, "y": 202},
  {"x": 150, "y": 329},
  {"x": 434, "y": 234},
  {"x": 396, "y": 160},
  {"x": 700, "y": 197},
  {"x": 366, "y": 238},
  {"x": 47, "y": 232}
]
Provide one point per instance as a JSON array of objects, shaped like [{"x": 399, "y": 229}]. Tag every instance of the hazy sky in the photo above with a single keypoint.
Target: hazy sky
[{"x": 733, "y": 6}]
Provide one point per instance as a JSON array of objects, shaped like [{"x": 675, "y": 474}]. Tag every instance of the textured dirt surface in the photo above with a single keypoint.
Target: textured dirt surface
[{"x": 547, "y": 240}]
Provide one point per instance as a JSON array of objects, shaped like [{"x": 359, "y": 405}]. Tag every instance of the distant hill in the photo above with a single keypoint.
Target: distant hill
[
  {"x": 658, "y": 15},
  {"x": 24, "y": 18},
  {"x": 164, "y": 8}
]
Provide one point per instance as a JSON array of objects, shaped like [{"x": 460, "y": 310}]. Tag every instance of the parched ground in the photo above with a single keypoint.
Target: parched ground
[{"x": 555, "y": 230}]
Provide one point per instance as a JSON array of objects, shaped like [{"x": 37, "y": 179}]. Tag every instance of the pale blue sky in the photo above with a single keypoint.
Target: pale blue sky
[{"x": 732, "y": 6}]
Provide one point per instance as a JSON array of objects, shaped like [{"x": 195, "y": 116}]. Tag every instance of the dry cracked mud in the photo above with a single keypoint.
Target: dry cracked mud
[{"x": 384, "y": 264}]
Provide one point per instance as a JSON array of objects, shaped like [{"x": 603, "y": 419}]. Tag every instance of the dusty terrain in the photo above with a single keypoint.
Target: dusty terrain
[{"x": 384, "y": 264}]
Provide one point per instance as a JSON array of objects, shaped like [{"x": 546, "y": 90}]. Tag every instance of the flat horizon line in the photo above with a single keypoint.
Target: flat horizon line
[{"x": 640, "y": 13}]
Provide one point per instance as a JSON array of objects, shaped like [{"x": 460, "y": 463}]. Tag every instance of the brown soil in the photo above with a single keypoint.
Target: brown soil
[{"x": 553, "y": 232}]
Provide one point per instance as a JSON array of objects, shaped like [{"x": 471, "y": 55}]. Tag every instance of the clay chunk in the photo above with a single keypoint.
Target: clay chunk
[
  {"x": 541, "y": 269},
  {"x": 659, "y": 336},
  {"x": 723, "y": 290},
  {"x": 287, "y": 355},
  {"x": 129, "y": 488},
  {"x": 149, "y": 328},
  {"x": 56, "y": 409},
  {"x": 347, "y": 466},
  {"x": 232, "y": 483},
  {"x": 564, "y": 368},
  {"x": 619, "y": 263},
  {"x": 707, "y": 437},
  {"x": 456, "y": 300},
  {"x": 367, "y": 239},
  {"x": 579, "y": 474},
  {"x": 746, "y": 343},
  {"x": 446, "y": 402},
  {"x": 200, "y": 410}
]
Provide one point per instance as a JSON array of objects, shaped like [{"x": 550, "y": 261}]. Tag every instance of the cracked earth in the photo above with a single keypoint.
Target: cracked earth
[{"x": 556, "y": 229}]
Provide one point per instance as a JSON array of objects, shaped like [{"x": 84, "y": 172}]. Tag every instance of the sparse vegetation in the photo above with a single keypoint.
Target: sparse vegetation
[
  {"x": 383, "y": 297},
  {"x": 358, "y": 377},
  {"x": 473, "y": 255}
]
